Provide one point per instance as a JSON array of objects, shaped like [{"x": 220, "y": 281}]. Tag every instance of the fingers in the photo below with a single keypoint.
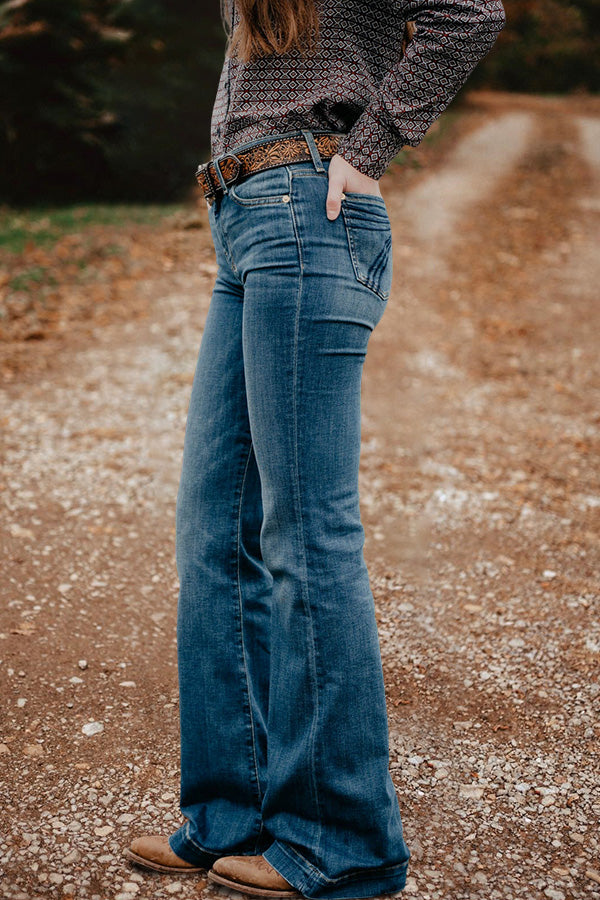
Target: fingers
[{"x": 334, "y": 200}]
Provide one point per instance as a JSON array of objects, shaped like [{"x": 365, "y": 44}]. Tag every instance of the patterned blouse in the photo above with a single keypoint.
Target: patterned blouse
[{"x": 359, "y": 82}]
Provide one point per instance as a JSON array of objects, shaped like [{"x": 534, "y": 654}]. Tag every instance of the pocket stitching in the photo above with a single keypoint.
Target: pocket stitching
[
  {"x": 272, "y": 199},
  {"x": 363, "y": 279}
]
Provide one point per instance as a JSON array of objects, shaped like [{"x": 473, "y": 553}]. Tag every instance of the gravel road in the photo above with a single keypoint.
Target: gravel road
[{"x": 481, "y": 504}]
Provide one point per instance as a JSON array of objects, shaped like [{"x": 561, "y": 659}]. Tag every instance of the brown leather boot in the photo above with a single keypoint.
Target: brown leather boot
[
  {"x": 153, "y": 852},
  {"x": 251, "y": 875}
]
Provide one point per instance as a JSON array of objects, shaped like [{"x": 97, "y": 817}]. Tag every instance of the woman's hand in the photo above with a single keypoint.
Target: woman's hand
[{"x": 344, "y": 177}]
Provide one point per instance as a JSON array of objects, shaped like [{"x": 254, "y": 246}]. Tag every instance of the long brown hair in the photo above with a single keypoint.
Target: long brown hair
[
  {"x": 276, "y": 26},
  {"x": 271, "y": 26}
]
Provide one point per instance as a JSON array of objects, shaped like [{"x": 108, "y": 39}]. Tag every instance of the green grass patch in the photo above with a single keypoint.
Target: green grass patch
[
  {"x": 43, "y": 226},
  {"x": 31, "y": 278}
]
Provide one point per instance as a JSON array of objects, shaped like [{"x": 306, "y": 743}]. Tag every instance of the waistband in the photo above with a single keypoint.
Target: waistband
[{"x": 215, "y": 176}]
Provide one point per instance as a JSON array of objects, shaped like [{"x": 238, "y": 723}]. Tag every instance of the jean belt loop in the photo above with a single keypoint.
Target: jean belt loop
[
  {"x": 314, "y": 150},
  {"x": 222, "y": 182}
]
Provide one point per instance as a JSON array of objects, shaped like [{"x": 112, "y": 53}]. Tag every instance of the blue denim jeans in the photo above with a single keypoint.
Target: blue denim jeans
[{"x": 284, "y": 732}]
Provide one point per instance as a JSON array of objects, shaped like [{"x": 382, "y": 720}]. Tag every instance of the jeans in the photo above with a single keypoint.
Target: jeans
[{"x": 284, "y": 732}]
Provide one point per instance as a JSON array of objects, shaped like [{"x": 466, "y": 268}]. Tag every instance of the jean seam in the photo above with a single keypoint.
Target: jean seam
[
  {"x": 305, "y": 597},
  {"x": 241, "y": 620},
  {"x": 222, "y": 236}
]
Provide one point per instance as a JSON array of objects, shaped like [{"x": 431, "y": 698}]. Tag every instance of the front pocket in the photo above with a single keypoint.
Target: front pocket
[
  {"x": 369, "y": 234},
  {"x": 262, "y": 188}
]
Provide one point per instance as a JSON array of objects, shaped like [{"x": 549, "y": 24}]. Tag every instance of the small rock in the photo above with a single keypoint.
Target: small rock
[
  {"x": 4, "y": 748},
  {"x": 593, "y": 875},
  {"x": 431, "y": 873},
  {"x": 174, "y": 887},
  {"x": 103, "y": 830},
  {"x": 21, "y": 702},
  {"x": 549, "y": 574},
  {"x": 553, "y": 894},
  {"x": 127, "y": 684},
  {"x": 91, "y": 728},
  {"x": 131, "y": 887},
  {"x": 17, "y": 530},
  {"x": 34, "y": 750},
  {"x": 472, "y": 791},
  {"x": 416, "y": 849},
  {"x": 76, "y": 680},
  {"x": 83, "y": 663},
  {"x": 72, "y": 856}
]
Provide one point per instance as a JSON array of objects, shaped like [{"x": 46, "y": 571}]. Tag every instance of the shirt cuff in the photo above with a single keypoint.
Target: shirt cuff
[{"x": 370, "y": 145}]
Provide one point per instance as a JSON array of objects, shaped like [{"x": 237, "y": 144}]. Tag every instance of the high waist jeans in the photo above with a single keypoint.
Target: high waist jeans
[{"x": 284, "y": 732}]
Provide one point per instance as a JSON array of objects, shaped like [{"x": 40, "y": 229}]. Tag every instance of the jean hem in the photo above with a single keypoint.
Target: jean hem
[
  {"x": 191, "y": 852},
  {"x": 311, "y": 883}
]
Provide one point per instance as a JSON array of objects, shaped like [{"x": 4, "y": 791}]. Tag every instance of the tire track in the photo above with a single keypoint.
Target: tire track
[{"x": 432, "y": 210}]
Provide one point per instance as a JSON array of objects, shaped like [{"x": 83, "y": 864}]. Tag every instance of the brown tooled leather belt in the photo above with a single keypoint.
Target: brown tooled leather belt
[{"x": 264, "y": 155}]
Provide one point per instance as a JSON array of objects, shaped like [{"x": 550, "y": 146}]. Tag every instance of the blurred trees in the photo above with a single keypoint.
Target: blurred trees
[
  {"x": 111, "y": 99},
  {"x": 105, "y": 98},
  {"x": 53, "y": 124},
  {"x": 546, "y": 46},
  {"x": 162, "y": 92}
]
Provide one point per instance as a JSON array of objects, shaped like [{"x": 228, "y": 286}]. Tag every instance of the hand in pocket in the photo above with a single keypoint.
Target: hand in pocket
[{"x": 343, "y": 177}]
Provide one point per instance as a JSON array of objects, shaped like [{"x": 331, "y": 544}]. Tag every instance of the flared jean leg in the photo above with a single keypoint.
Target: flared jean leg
[
  {"x": 224, "y": 601},
  {"x": 330, "y": 803}
]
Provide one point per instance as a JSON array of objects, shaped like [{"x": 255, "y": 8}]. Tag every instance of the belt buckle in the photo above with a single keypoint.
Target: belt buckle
[
  {"x": 217, "y": 164},
  {"x": 204, "y": 169}
]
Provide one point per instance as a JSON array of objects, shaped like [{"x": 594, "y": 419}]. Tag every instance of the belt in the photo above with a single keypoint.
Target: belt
[{"x": 264, "y": 155}]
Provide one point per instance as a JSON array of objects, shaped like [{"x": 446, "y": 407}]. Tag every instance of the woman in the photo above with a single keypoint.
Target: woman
[{"x": 285, "y": 785}]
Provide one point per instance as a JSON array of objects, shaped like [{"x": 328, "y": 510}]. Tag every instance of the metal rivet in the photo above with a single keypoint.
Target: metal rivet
[
  {"x": 343, "y": 196},
  {"x": 286, "y": 198}
]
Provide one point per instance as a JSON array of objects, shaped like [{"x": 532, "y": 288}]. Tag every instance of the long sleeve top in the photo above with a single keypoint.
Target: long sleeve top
[{"x": 358, "y": 82}]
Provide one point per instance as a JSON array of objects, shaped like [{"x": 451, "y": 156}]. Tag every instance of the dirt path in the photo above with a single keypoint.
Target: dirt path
[
  {"x": 481, "y": 503},
  {"x": 431, "y": 212}
]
